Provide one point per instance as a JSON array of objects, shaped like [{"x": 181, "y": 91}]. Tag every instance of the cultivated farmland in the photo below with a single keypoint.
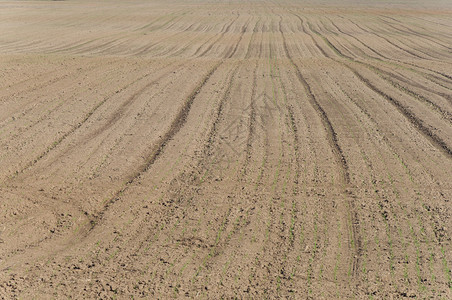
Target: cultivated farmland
[{"x": 219, "y": 149}]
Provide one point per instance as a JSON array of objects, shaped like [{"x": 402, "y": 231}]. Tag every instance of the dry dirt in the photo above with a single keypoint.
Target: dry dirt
[{"x": 219, "y": 149}]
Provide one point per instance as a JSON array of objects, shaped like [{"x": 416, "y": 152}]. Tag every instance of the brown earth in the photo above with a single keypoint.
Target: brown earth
[{"x": 220, "y": 149}]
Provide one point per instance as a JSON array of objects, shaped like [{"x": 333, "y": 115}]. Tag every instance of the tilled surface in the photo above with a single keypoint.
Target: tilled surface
[{"x": 221, "y": 149}]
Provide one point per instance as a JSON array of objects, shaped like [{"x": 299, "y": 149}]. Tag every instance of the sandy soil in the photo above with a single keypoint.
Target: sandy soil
[{"x": 220, "y": 149}]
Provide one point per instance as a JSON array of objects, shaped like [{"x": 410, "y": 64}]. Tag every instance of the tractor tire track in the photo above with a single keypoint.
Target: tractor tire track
[
  {"x": 425, "y": 75},
  {"x": 87, "y": 117},
  {"x": 418, "y": 123},
  {"x": 410, "y": 116},
  {"x": 155, "y": 152},
  {"x": 444, "y": 114},
  {"x": 340, "y": 158},
  {"x": 445, "y": 76},
  {"x": 340, "y": 161},
  {"x": 219, "y": 38}
]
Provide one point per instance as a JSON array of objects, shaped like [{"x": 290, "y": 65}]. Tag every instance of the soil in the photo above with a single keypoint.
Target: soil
[{"x": 225, "y": 149}]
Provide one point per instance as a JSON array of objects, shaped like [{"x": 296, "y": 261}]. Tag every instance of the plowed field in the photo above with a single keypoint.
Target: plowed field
[{"x": 220, "y": 149}]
